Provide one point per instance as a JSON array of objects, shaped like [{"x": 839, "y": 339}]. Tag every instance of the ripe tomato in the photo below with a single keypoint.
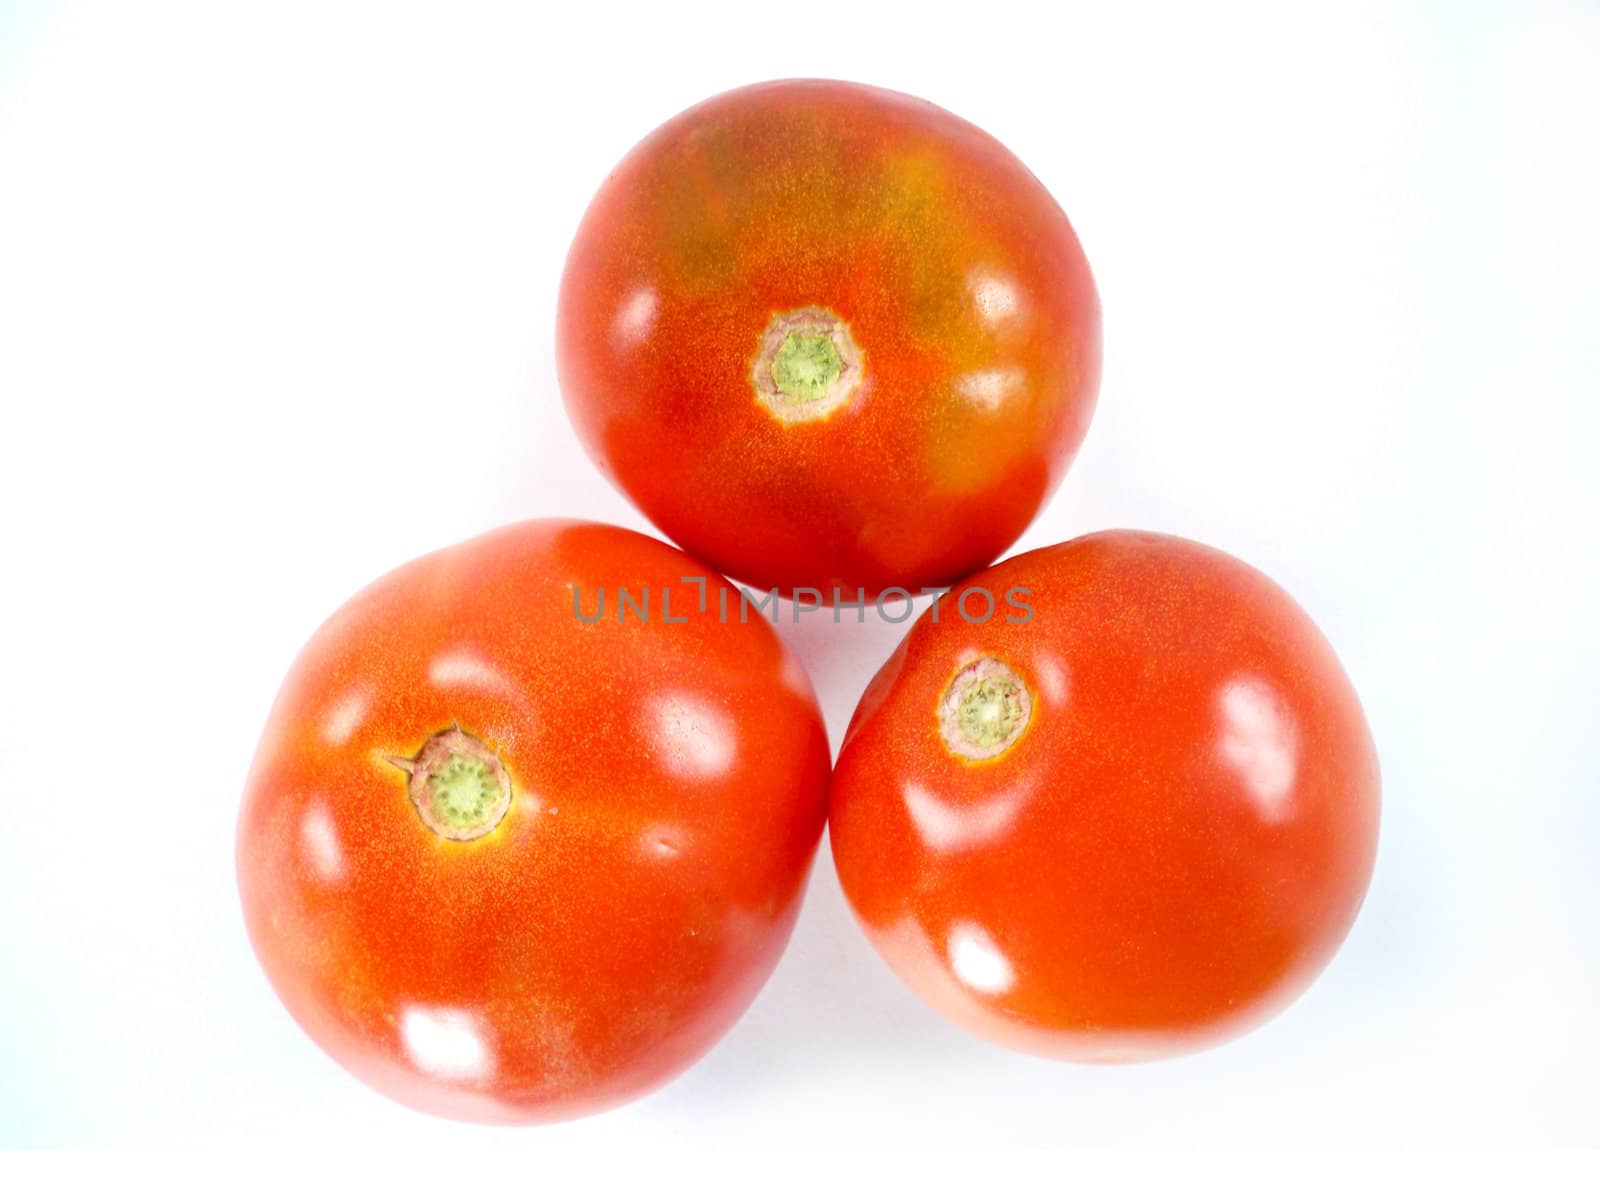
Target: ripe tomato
[
  {"x": 1136, "y": 822},
  {"x": 829, "y": 336},
  {"x": 508, "y": 864}
]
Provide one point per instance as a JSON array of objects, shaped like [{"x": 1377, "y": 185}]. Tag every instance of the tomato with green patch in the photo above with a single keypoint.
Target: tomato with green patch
[
  {"x": 513, "y": 849},
  {"x": 1132, "y": 814},
  {"x": 829, "y": 336}
]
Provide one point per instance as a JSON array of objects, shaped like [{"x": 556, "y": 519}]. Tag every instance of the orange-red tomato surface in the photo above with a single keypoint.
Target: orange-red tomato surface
[
  {"x": 826, "y": 335},
  {"x": 656, "y": 791},
  {"x": 1161, "y": 825}
]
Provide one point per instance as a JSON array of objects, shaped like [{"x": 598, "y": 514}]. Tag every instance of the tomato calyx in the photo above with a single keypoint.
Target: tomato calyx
[
  {"x": 985, "y": 710},
  {"x": 459, "y": 787},
  {"x": 808, "y": 365}
]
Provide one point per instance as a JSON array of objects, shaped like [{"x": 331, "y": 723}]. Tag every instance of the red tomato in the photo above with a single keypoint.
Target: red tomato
[
  {"x": 1129, "y": 825},
  {"x": 829, "y": 336},
  {"x": 508, "y": 864}
]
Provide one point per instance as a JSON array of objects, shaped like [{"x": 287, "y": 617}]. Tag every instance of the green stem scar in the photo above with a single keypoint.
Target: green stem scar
[
  {"x": 985, "y": 710},
  {"x": 807, "y": 365},
  {"x": 459, "y": 787}
]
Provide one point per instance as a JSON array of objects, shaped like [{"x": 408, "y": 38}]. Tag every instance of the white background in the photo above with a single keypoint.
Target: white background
[{"x": 255, "y": 260}]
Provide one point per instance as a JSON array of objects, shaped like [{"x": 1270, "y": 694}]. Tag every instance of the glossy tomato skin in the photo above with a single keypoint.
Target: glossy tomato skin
[
  {"x": 961, "y": 283},
  {"x": 1173, "y": 847},
  {"x": 668, "y": 785}
]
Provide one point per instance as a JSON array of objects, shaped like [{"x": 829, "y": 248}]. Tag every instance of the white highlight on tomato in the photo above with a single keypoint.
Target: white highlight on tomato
[
  {"x": 466, "y": 668},
  {"x": 986, "y": 390},
  {"x": 995, "y": 298},
  {"x": 946, "y": 826},
  {"x": 1259, "y": 741},
  {"x": 345, "y": 717},
  {"x": 321, "y": 841},
  {"x": 1049, "y": 676},
  {"x": 695, "y": 740},
  {"x": 664, "y": 841},
  {"x": 977, "y": 961},
  {"x": 636, "y": 316},
  {"x": 445, "y": 1043}
]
